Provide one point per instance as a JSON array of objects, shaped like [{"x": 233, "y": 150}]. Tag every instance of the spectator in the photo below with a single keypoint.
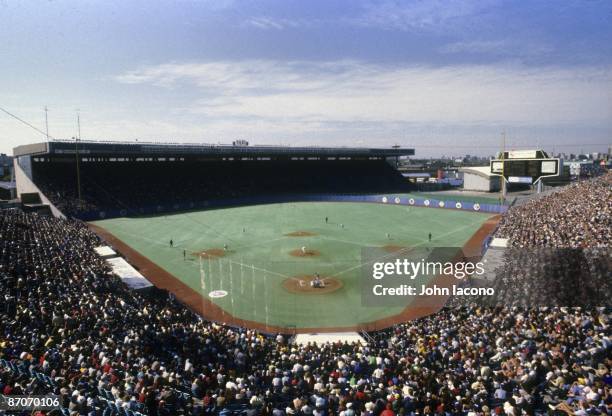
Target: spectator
[{"x": 70, "y": 327}]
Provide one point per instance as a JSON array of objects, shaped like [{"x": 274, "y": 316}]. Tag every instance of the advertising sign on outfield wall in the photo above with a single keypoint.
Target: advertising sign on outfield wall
[{"x": 220, "y": 203}]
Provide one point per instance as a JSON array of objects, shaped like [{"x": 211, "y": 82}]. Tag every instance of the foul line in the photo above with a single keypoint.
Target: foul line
[
  {"x": 157, "y": 242},
  {"x": 251, "y": 266},
  {"x": 415, "y": 245}
]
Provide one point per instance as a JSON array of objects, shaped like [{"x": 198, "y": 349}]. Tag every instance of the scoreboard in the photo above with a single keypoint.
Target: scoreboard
[{"x": 527, "y": 171}]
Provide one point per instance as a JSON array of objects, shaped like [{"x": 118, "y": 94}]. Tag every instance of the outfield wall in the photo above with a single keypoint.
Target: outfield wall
[{"x": 389, "y": 199}]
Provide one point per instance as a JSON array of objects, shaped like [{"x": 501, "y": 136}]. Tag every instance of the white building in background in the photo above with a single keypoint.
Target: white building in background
[
  {"x": 479, "y": 178},
  {"x": 580, "y": 168}
]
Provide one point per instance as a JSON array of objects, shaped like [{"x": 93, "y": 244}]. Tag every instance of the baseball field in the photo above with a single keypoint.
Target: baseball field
[{"x": 254, "y": 264}]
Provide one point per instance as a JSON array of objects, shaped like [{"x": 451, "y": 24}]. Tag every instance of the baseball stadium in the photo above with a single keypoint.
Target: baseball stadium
[
  {"x": 305, "y": 208},
  {"x": 184, "y": 279},
  {"x": 241, "y": 233}
]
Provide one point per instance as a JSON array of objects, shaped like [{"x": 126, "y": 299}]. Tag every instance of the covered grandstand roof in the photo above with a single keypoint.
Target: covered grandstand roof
[{"x": 113, "y": 148}]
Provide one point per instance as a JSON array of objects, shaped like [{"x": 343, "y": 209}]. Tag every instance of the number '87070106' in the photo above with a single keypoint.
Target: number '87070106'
[{"x": 19, "y": 403}]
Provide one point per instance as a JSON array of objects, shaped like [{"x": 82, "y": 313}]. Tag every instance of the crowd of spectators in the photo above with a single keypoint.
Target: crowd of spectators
[
  {"x": 558, "y": 251},
  {"x": 578, "y": 215},
  {"x": 70, "y": 327},
  {"x": 535, "y": 277}
]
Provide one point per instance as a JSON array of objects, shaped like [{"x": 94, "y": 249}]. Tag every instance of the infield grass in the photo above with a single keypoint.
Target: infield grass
[{"x": 257, "y": 259}]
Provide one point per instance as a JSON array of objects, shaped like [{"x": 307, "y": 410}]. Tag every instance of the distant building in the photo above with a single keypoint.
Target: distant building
[
  {"x": 7, "y": 188},
  {"x": 581, "y": 168},
  {"x": 417, "y": 177},
  {"x": 479, "y": 178},
  {"x": 6, "y": 164}
]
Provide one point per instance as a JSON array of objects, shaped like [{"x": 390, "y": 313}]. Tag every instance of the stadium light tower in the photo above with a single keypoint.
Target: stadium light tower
[
  {"x": 47, "y": 122},
  {"x": 396, "y": 146},
  {"x": 503, "y": 151},
  {"x": 76, "y": 151}
]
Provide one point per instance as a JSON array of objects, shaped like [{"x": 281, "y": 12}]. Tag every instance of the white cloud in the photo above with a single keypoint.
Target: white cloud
[
  {"x": 501, "y": 47},
  {"x": 423, "y": 15},
  {"x": 350, "y": 91},
  {"x": 341, "y": 102},
  {"x": 232, "y": 76},
  {"x": 271, "y": 23}
]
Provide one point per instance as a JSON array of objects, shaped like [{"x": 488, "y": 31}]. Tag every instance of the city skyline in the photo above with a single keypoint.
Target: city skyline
[{"x": 440, "y": 76}]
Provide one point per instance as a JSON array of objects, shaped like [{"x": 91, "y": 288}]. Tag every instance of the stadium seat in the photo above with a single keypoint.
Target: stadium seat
[
  {"x": 109, "y": 395},
  {"x": 48, "y": 381},
  {"x": 113, "y": 407}
]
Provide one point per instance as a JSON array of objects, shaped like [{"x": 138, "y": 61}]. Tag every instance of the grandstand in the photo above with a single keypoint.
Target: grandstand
[{"x": 135, "y": 177}]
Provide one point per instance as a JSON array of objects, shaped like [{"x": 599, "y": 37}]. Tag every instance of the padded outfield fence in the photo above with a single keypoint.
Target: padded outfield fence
[{"x": 397, "y": 199}]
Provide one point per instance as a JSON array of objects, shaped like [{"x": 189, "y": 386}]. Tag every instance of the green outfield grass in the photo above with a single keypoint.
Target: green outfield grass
[{"x": 258, "y": 259}]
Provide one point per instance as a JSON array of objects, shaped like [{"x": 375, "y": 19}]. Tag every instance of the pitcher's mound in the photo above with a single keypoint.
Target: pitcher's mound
[
  {"x": 301, "y": 234},
  {"x": 210, "y": 253},
  {"x": 308, "y": 253},
  {"x": 301, "y": 285}
]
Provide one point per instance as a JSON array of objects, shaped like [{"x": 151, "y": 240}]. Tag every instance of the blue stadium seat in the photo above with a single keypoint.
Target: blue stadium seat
[
  {"x": 113, "y": 407},
  {"x": 109, "y": 395},
  {"x": 39, "y": 376},
  {"x": 13, "y": 367},
  {"x": 48, "y": 380}
]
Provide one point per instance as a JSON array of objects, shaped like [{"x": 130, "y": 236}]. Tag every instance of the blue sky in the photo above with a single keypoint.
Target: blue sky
[{"x": 445, "y": 77}]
